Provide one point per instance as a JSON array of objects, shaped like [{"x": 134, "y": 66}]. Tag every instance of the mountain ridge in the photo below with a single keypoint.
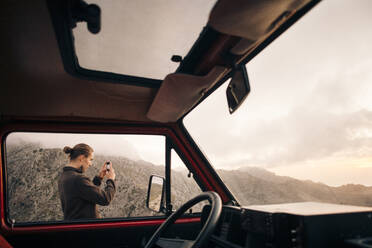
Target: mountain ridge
[{"x": 33, "y": 172}]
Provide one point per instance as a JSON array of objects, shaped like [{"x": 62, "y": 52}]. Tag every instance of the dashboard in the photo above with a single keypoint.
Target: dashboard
[{"x": 307, "y": 224}]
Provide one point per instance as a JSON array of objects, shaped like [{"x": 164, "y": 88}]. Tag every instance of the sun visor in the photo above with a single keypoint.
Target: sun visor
[
  {"x": 180, "y": 92},
  {"x": 251, "y": 20}
]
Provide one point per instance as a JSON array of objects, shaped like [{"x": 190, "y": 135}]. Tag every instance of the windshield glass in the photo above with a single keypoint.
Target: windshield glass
[{"x": 304, "y": 133}]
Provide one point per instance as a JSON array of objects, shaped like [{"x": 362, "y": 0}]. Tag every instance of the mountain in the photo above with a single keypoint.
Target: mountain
[
  {"x": 263, "y": 174},
  {"x": 253, "y": 186},
  {"x": 33, "y": 172}
]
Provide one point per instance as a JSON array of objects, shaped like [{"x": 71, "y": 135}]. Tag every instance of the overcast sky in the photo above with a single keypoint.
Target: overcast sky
[
  {"x": 139, "y": 37},
  {"x": 150, "y": 148},
  {"x": 309, "y": 113}
]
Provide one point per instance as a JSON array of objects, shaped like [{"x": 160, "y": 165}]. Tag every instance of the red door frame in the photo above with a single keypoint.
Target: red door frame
[{"x": 173, "y": 131}]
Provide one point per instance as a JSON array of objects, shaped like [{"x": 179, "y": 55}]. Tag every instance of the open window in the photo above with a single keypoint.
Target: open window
[{"x": 34, "y": 162}]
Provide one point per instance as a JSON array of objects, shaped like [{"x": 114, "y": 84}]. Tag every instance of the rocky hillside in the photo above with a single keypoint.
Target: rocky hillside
[
  {"x": 253, "y": 186},
  {"x": 33, "y": 172}
]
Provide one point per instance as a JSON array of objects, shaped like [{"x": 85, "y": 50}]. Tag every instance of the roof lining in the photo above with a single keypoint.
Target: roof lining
[{"x": 37, "y": 86}]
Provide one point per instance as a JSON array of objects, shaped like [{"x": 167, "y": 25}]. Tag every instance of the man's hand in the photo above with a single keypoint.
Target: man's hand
[
  {"x": 111, "y": 173},
  {"x": 103, "y": 171}
]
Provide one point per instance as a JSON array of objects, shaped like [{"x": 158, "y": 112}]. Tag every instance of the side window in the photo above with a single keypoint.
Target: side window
[
  {"x": 35, "y": 163},
  {"x": 184, "y": 186}
]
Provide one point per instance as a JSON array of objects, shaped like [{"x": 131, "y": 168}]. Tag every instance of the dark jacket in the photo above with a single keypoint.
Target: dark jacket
[{"x": 79, "y": 195}]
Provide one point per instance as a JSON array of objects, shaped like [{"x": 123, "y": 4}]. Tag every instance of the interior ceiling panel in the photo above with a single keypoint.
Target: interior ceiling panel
[{"x": 37, "y": 84}]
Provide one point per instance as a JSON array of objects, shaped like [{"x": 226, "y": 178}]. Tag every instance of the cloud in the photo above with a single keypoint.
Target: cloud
[
  {"x": 330, "y": 118},
  {"x": 310, "y": 99},
  {"x": 101, "y": 144},
  {"x": 297, "y": 138},
  {"x": 150, "y": 148}
]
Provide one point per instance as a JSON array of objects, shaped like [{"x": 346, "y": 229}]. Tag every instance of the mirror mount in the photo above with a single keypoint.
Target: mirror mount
[
  {"x": 80, "y": 11},
  {"x": 238, "y": 88}
]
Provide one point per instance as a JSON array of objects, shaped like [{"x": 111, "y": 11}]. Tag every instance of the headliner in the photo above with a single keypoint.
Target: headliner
[{"x": 37, "y": 86}]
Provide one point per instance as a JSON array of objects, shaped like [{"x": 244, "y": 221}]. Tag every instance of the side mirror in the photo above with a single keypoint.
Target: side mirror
[
  {"x": 155, "y": 194},
  {"x": 238, "y": 88}
]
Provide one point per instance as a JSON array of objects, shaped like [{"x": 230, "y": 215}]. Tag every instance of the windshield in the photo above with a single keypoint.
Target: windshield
[{"x": 304, "y": 133}]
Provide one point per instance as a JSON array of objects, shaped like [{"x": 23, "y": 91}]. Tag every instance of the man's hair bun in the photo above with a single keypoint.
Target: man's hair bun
[
  {"x": 67, "y": 150},
  {"x": 77, "y": 150}
]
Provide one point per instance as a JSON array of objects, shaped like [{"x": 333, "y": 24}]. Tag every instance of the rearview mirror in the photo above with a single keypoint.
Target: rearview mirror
[
  {"x": 238, "y": 88},
  {"x": 155, "y": 193}
]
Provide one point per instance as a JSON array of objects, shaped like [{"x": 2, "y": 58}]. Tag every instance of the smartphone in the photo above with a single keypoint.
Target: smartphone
[{"x": 107, "y": 166}]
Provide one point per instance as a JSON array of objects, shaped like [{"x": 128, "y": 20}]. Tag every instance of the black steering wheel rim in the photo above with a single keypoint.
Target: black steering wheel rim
[{"x": 208, "y": 228}]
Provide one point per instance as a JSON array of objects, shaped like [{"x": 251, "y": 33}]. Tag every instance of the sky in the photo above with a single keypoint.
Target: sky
[
  {"x": 309, "y": 113},
  {"x": 150, "y": 148},
  {"x": 152, "y": 32}
]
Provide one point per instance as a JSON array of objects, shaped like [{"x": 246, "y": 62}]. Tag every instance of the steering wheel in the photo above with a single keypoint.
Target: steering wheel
[{"x": 206, "y": 231}]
